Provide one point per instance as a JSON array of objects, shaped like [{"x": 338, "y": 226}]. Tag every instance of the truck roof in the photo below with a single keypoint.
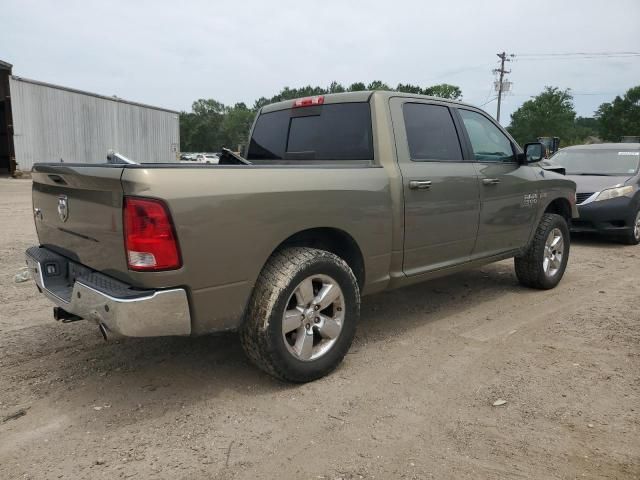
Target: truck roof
[{"x": 362, "y": 96}]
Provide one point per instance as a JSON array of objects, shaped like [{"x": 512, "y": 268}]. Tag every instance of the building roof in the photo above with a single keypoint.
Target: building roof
[
  {"x": 5, "y": 65},
  {"x": 83, "y": 92}
]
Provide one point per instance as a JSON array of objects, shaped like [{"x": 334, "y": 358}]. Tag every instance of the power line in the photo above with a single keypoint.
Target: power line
[
  {"x": 590, "y": 54},
  {"x": 566, "y": 59},
  {"x": 488, "y": 102}
]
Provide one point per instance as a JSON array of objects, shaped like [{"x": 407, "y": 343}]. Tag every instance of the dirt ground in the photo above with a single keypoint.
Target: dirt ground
[{"x": 412, "y": 400}]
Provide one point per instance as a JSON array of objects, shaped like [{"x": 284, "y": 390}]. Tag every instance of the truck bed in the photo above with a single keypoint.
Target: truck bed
[{"x": 228, "y": 220}]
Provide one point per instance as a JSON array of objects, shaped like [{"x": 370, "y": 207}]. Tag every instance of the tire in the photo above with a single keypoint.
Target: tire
[
  {"x": 282, "y": 287},
  {"x": 538, "y": 267},
  {"x": 633, "y": 237}
]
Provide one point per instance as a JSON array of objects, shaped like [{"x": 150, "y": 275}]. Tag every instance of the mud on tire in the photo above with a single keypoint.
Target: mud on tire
[
  {"x": 530, "y": 266},
  {"x": 277, "y": 287}
]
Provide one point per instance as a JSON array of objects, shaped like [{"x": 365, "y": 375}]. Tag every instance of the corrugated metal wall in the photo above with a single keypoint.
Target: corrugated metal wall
[{"x": 52, "y": 123}]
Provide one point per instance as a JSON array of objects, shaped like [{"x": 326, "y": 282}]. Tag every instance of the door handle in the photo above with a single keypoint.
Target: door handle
[
  {"x": 420, "y": 184},
  {"x": 490, "y": 181}
]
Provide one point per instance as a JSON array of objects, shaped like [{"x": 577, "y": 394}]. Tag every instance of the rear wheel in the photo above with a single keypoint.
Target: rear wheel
[
  {"x": 302, "y": 316},
  {"x": 542, "y": 266}
]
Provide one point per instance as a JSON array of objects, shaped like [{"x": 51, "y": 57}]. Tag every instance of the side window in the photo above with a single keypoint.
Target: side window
[
  {"x": 488, "y": 142},
  {"x": 431, "y": 133}
]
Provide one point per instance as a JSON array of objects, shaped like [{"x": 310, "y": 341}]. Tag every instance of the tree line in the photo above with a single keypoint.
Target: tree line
[
  {"x": 552, "y": 114},
  {"x": 212, "y": 125}
]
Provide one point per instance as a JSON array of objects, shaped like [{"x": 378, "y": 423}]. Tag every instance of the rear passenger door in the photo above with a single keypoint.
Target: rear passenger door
[
  {"x": 441, "y": 192},
  {"x": 508, "y": 194}
]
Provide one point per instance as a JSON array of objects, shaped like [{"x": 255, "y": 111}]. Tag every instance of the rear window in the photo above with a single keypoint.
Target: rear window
[{"x": 340, "y": 131}]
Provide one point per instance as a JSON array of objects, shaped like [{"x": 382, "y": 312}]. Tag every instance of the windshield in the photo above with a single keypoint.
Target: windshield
[{"x": 598, "y": 162}]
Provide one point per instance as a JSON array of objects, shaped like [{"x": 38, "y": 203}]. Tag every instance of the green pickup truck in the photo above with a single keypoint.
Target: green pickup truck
[{"x": 339, "y": 196}]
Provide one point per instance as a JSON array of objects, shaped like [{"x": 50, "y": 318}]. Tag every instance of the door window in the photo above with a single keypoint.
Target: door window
[
  {"x": 431, "y": 133},
  {"x": 488, "y": 142}
]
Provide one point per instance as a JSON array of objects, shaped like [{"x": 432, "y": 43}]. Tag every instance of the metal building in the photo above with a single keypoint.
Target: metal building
[{"x": 40, "y": 122}]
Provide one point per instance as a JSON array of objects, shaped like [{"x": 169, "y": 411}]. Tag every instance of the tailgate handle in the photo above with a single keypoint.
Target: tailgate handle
[{"x": 57, "y": 179}]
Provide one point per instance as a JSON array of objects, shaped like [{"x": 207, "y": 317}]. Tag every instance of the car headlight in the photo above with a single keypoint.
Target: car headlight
[{"x": 610, "y": 193}]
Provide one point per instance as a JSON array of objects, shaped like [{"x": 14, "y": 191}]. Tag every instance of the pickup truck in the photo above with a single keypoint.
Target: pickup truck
[{"x": 339, "y": 196}]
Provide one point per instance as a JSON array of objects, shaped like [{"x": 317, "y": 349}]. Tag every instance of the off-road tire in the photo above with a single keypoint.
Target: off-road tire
[
  {"x": 529, "y": 265},
  {"x": 261, "y": 332}
]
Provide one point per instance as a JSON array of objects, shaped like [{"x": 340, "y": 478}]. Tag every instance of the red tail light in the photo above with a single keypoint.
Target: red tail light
[
  {"x": 308, "y": 101},
  {"x": 149, "y": 236}
]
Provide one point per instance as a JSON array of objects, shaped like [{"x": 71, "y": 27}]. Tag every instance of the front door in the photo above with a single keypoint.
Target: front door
[
  {"x": 441, "y": 191},
  {"x": 508, "y": 194}
]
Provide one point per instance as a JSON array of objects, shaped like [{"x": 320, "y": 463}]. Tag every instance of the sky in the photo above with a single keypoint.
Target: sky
[{"x": 170, "y": 53}]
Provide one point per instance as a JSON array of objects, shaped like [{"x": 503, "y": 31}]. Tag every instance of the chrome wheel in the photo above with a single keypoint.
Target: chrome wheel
[
  {"x": 314, "y": 317},
  {"x": 553, "y": 251},
  {"x": 636, "y": 228}
]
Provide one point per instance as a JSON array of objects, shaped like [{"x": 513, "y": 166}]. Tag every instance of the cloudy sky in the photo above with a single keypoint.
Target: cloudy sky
[{"x": 169, "y": 53}]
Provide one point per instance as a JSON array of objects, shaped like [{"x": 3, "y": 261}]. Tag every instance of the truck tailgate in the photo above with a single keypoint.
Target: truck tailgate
[{"x": 78, "y": 214}]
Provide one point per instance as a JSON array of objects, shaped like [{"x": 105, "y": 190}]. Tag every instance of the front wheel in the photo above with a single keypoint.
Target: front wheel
[
  {"x": 302, "y": 316},
  {"x": 633, "y": 237},
  {"x": 543, "y": 263}
]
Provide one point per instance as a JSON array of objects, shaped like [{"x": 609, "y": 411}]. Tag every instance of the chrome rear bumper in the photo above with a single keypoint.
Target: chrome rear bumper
[{"x": 119, "y": 308}]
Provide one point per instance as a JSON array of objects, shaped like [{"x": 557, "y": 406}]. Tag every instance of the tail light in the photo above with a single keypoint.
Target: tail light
[
  {"x": 149, "y": 236},
  {"x": 308, "y": 102}
]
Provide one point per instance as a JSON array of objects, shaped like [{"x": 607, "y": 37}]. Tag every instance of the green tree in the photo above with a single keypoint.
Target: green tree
[
  {"x": 357, "y": 87},
  {"x": 336, "y": 87},
  {"x": 583, "y": 128},
  {"x": 550, "y": 114},
  {"x": 201, "y": 130},
  {"x": 211, "y": 125},
  {"x": 444, "y": 90},
  {"x": 415, "y": 89},
  {"x": 236, "y": 125},
  {"x": 378, "y": 85},
  {"x": 621, "y": 116}
]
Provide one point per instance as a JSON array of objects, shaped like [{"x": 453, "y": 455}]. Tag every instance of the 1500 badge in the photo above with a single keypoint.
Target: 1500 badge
[{"x": 530, "y": 199}]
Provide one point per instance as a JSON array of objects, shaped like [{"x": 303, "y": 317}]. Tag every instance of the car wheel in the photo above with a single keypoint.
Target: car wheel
[
  {"x": 302, "y": 316},
  {"x": 543, "y": 263},
  {"x": 633, "y": 237}
]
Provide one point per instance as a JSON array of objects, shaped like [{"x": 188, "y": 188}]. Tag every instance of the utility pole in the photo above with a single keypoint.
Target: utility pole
[{"x": 500, "y": 87}]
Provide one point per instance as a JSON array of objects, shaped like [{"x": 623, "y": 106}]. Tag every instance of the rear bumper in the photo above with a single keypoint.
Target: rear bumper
[
  {"x": 612, "y": 217},
  {"x": 118, "y": 307}
]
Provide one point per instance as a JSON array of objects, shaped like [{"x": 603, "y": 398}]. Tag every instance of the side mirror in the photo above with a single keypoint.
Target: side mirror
[{"x": 534, "y": 152}]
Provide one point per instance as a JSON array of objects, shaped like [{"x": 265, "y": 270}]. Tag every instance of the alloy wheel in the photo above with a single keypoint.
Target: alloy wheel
[
  {"x": 553, "y": 251},
  {"x": 314, "y": 317}
]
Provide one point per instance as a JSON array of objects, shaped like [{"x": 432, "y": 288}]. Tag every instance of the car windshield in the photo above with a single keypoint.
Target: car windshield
[{"x": 615, "y": 162}]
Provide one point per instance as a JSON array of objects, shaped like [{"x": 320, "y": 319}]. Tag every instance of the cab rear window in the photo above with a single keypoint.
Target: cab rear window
[{"x": 340, "y": 131}]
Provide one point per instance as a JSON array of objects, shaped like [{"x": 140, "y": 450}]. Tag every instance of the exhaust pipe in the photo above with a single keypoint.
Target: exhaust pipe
[{"x": 60, "y": 314}]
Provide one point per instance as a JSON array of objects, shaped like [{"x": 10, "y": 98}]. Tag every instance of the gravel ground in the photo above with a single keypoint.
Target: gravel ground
[{"x": 413, "y": 399}]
